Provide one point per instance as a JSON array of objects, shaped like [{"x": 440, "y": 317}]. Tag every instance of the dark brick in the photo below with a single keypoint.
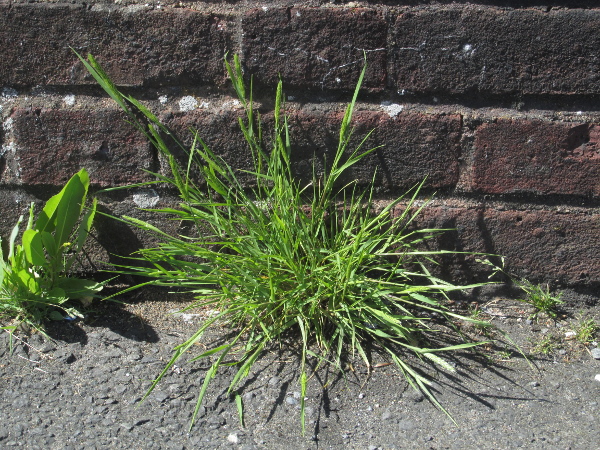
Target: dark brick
[
  {"x": 218, "y": 130},
  {"x": 414, "y": 146},
  {"x": 112, "y": 240},
  {"x": 315, "y": 48},
  {"x": 537, "y": 157},
  {"x": 115, "y": 241},
  {"x": 14, "y": 203},
  {"x": 476, "y": 49},
  {"x": 48, "y": 146},
  {"x": 136, "y": 46},
  {"x": 549, "y": 246}
]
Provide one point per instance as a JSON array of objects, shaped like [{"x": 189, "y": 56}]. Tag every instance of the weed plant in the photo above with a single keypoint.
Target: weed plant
[
  {"x": 546, "y": 345},
  {"x": 279, "y": 258},
  {"x": 536, "y": 295},
  {"x": 34, "y": 280},
  {"x": 540, "y": 298},
  {"x": 585, "y": 331}
]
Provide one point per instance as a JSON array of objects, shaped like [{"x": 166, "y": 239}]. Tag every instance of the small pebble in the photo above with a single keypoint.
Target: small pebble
[
  {"x": 597, "y": 377},
  {"x": 595, "y": 353},
  {"x": 233, "y": 438}
]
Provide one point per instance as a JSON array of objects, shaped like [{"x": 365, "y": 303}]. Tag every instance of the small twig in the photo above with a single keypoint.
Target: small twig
[
  {"x": 376, "y": 366},
  {"x": 41, "y": 370},
  {"x": 27, "y": 359}
]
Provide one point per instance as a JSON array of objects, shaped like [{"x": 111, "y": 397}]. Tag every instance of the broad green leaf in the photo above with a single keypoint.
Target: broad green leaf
[
  {"x": 240, "y": 408},
  {"x": 70, "y": 206},
  {"x": 28, "y": 279},
  {"x": 82, "y": 232},
  {"x": 77, "y": 287},
  {"x": 13, "y": 238},
  {"x": 74, "y": 191},
  {"x": 34, "y": 249},
  {"x": 57, "y": 296},
  {"x": 46, "y": 221},
  {"x": 48, "y": 241}
]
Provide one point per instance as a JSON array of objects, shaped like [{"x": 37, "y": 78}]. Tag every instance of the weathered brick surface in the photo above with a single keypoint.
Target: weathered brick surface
[
  {"x": 414, "y": 146},
  {"x": 541, "y": 245},
  {"x": 436, "y": 49},
  {"x": 14, "y": 203},
  {"x": 114, "y": 241},
  {"x": 49, "y": 146},
  {"x": 474, "y": 49},
  {"x": 537, "y": 157},
  {"x": 136, "y": 46},
  {"x": 315, "y": 48},
  {"x": 492, "y": 53},
  {"x": 219, "y": 131},
  {"x": 111, "y": 240}
]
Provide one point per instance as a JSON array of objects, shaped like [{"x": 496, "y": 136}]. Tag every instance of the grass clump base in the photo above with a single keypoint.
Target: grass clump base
[{"x": 279, "y": 257}]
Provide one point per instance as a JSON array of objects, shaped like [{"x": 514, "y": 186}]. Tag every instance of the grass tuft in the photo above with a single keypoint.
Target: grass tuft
[
  {"x": 540, "y": 298},
  {"x": 586, "y": 330},
  {"x": 314, "y": 260}
]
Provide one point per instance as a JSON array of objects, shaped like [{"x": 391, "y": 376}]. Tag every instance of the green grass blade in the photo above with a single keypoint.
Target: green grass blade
[{"x": 240, "y": 408}]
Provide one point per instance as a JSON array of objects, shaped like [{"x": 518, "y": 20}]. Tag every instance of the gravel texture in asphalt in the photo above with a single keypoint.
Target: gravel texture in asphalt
[{"x": 83, "y": 390}]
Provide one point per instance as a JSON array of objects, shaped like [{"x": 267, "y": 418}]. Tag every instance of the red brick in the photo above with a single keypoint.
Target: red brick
[
  {"x": 220, "y": 131},
  {"x": 537, "y": 157},
  {"x": 14, "y": 203},
  {"x": 315, "y": 48},
  {"x": 136, "y": 47},
  {"x": 542, "y": 245},
  {"x": 115, "y": 241},
  {"x": 415, "y": 146},
  {"x": 50, "y": 145},
  {"x": 112, "y": 240},
  {"x": 474, "y": 49}
]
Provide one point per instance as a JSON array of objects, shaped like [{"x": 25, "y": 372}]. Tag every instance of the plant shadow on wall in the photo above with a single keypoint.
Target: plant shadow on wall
[{"x": 280, "y": 259}]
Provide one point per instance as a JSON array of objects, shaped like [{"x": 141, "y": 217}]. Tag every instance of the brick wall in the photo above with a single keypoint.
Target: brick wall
[{"x": 496, "y": 102}]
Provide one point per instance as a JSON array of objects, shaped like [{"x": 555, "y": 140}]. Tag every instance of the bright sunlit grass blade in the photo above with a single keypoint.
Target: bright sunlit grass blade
[{"x": 240, "y": 407}]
